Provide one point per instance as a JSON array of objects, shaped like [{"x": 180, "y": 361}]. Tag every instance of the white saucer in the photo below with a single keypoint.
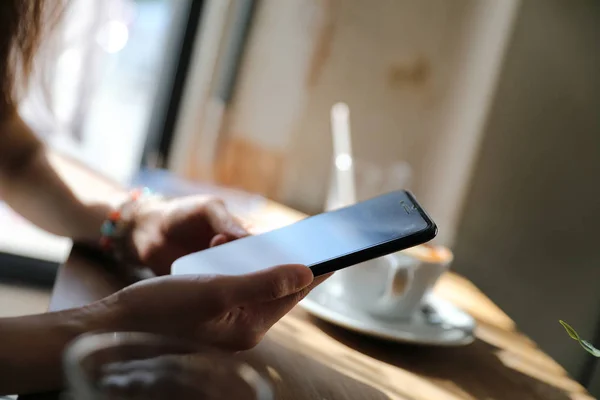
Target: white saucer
[{"x": 453, "y": 327}]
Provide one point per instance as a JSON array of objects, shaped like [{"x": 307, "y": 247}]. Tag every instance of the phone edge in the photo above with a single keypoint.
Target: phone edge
[{"x": 381, "y": 249}]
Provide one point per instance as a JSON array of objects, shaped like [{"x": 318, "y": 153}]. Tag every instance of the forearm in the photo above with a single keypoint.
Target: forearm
[
  {"x": 31, "y": 347},
  {"x": 55, "y": 193}
]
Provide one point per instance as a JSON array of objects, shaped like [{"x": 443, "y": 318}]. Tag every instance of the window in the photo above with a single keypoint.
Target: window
[
  {"x": 108, "y": 72},
  {"x": 105, "y": 65}
]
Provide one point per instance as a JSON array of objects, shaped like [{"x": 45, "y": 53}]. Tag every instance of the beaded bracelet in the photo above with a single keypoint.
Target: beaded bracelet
[{"x": 115, "y": 228}]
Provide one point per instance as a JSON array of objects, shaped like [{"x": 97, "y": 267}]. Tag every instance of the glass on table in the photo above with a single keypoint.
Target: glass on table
[
  {"x": 132, "y": 365},
  {"x": 370, "y": 179}
]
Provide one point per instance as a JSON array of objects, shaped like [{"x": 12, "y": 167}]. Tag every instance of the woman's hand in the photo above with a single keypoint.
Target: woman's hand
[
  {"x": 232, "y": 312},
  {"x": 165, "y": 230}
]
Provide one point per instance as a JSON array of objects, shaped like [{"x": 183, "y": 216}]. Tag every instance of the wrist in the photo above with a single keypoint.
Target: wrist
[
  {"x": 93, "y": 215},
  {"x": 103, "y": 315},
  {"x": 118, "y": 230},
  {"x": 32, "y": 346},
  {"x": 145, "y": 228}
]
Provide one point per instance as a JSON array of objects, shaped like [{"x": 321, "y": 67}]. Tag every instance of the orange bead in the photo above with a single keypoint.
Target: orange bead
[
  {"x": 135, "y": 194},
  {"x": 114, "y": 215}
]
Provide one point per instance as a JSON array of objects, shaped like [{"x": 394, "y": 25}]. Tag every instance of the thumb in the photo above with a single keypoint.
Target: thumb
[
  {"x": 270, "y": 284},
  {"x": 222, "y": 221},
  {"x": 218, "y": 240}
]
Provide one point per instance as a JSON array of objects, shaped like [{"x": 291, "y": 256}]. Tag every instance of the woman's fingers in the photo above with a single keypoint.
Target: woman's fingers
[
  {"x": 269, "y": 284},
  {"x": 223, "y": 222},
  {"x": 218, "y": 240},
  {"x": 273, "y": 311}
]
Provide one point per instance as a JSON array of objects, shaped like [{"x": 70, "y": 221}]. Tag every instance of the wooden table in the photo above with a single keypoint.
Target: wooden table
[{"x": 310, "y": 359}]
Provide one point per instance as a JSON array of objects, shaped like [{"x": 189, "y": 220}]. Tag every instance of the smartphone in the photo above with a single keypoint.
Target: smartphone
[{"x": 325, "y": 242}]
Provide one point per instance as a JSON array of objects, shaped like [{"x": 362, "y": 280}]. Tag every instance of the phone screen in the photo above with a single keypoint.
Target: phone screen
[{"x": 356, "y": 229}]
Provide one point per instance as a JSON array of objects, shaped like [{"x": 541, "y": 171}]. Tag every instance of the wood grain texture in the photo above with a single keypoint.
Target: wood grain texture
[
  {"x": 322, "y": 48},
  {"x": 246, "y": 165},
  {"x": 306, "y": 358}
]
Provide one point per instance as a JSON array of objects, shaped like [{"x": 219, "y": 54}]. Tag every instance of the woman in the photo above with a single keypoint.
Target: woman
[{"x": 229, "y": 312}]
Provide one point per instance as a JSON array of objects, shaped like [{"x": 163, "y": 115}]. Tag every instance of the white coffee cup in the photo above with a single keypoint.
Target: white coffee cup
[{"x": 393, "y": 286}]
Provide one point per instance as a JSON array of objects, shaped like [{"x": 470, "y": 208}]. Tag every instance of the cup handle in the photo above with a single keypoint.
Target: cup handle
[{"x": 399, "y": 280}]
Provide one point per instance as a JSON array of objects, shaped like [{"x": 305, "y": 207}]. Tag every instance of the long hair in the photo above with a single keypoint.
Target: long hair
[{"x": 24, "y": 25}]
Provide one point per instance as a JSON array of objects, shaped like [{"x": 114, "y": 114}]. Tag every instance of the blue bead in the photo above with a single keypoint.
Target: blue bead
[{"x": 108, "y": 229}]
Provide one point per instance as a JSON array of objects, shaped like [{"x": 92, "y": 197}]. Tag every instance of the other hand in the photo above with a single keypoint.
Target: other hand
[
  {"x": 232, "y": 312},
  {"x": 165, "y": 230}
]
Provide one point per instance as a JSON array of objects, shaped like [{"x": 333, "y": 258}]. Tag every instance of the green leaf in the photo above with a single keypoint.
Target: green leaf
[
  {"x": 574, "y": 335},
  {"x": 589, "y": 348},
  {"x": 584, "y": 343}
]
